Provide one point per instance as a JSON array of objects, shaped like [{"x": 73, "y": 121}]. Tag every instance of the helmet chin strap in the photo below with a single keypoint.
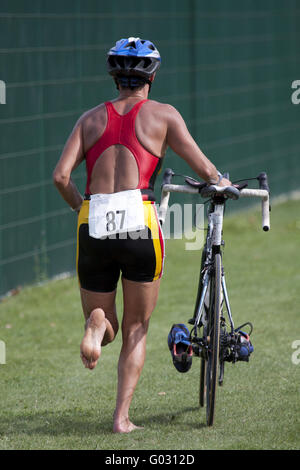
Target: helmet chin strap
[{"x": 150, "y": 82}]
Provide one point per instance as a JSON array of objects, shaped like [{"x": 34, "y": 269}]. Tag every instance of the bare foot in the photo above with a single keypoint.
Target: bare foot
[
  {"x": 90, "y": 348},
  {"x": 124, "y": 425}
]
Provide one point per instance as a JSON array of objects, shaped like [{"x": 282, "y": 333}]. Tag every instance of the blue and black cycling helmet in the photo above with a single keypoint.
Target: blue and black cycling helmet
[{"x": 133, "y": 57}]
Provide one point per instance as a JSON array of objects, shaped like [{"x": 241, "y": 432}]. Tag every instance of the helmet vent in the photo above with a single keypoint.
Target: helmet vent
[
  {"x": 131, "y": 44},
  {"x": 146, "y": 63}
]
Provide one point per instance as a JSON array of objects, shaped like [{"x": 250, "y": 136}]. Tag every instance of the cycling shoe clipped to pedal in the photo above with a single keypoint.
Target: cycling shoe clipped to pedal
[
  {"x": 180, "y": 347},
  {"x": 244, "y": 346}
]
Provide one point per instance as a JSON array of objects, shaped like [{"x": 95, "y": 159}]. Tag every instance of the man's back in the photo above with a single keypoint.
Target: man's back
[{"x": 117, "y": 169}]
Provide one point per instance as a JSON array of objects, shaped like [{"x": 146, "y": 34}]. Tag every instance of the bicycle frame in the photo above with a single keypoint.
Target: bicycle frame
[{"x": 213, "y": 244}]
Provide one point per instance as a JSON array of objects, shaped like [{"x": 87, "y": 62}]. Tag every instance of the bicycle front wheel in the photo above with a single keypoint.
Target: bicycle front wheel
[
  {"x": 202, "y": 382},
  {"x": 213, "y": 339},
  {"x": 202, "y": 385}
]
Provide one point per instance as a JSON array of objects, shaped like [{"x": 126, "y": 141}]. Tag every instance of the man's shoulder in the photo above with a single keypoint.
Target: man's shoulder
[
  {"x": 92, "y": 113},
  {"x": 160, "y": 105},
  {"x": 164, "y": 109}
]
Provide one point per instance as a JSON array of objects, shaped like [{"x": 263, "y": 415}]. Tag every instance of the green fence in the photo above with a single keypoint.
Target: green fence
[{"x": 227, "y": 67}]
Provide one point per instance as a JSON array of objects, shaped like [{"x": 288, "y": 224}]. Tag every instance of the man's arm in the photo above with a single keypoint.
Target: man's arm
[
  {"x": 182, "y": 143},
  {"x": 71, "y": 157}
]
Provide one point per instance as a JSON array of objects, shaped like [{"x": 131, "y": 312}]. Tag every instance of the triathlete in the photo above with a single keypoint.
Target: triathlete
[{"x": 123, "y": 142}]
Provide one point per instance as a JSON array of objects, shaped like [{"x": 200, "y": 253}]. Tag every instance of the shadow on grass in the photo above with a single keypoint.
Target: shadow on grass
[
  {"x": 72, "y": 422},
  {"x": 186, "y": 418}
]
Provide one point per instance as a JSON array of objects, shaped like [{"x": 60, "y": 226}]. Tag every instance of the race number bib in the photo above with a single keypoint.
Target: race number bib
[{"x": 116, "y": 213}]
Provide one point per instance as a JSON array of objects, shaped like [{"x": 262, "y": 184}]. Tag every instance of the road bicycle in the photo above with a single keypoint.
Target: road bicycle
[{"x": 214, "y": 337}]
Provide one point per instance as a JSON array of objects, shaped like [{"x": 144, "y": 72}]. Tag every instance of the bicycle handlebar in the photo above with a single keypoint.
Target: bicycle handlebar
[
  {"x": 209, "y": 190},
  {"x": 265, "y": 204}
]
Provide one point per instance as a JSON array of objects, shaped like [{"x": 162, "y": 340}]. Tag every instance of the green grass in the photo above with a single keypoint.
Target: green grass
[{"x": 49, "y": 401}]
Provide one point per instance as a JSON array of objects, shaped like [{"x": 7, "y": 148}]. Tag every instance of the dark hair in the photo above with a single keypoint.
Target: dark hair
[{"x": 131, "y": 81}]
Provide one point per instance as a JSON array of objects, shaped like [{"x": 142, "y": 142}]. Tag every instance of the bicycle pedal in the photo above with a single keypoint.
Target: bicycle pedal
[{"x": 191, "y": 321}]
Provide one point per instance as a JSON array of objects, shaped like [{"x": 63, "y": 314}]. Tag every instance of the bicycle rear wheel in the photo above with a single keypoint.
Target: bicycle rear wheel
[{"x": 213, "y": 339}]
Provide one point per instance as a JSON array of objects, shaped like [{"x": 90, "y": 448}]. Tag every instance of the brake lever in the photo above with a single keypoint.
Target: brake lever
[
  {"x": 241, "y": 186},
  {"x": 194, "y": 183}
]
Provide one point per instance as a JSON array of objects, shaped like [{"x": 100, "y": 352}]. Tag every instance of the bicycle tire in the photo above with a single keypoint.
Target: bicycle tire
[
  {"x": 202, "y": 388},
  {"x": 202, "y": 384},
  {"x": 214, "y": 339}
]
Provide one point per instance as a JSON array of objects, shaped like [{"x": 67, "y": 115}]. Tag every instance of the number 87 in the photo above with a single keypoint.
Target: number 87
[{"x": 111, "y": 220}]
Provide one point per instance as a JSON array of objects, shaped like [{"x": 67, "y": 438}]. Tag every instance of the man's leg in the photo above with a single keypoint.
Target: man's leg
[
  {"x": 139, "y": 302},
  {"x": 101, "y": 324}
]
